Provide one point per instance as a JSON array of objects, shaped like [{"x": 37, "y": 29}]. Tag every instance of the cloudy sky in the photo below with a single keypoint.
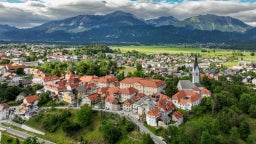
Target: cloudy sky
[{"x": 29, "y": 13}]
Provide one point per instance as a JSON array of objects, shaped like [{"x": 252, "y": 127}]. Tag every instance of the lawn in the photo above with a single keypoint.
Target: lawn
[
  {"x": 127, "y": 69},
  {"x": 211, "y": 53},
  {"x": 9, "y": 139}
]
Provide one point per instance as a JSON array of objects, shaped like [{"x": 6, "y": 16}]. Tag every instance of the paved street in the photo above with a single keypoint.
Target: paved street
[{"x": 22, "y": 134}]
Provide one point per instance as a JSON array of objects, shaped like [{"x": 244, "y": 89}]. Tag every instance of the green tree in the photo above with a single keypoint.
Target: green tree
[
  {"x": 206, "y": 138},
  {"x": 44, "y": 98},
  {"x": 111, "y": 133},
  {"x": 252, "y": 111},
  {"x": 138, "y": 66},
  {"x": 234, "y": 135},
  {"x": 147, "y": 139},
  {"x": 31, "y": 140},
  {"x": 84, "y": 115},
  {"x": 244, "y": 130}
]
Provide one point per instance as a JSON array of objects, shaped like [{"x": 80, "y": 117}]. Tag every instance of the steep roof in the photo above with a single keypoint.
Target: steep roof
[
  {"x": 94, "y": 97},
  {"x": 129, "y": 91},
  {"x": 186, "y": 84},
  {"x": 165, "y": 103},
  {"x": 178, "y": 114},
  {"x": 155, "y": 112},
  {"x": 111, "y": 99},
  {"x": 32, "y": 99},
  {"x": 205, "y": 91}
]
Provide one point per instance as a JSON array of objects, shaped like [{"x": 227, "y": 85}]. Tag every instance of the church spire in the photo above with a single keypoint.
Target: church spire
[{"x": 195, "y": 73}]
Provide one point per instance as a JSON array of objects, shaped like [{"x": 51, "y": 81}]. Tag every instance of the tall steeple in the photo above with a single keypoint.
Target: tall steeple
[{"x": 195, "y": 72}]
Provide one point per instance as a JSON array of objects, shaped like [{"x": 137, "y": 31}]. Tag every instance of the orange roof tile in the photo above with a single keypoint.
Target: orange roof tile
[
  {"x": 147, "y": 82},
  {"x": 107, "y": 79},
  {"x": 88, "y": 78},
  {"x": 32, "y": 99},
  {"x": 186, "y": 96},
  {"x": 129, "y": 91},
  {"x": 154, "y": 112},
  {"x": 205, "y": 91},
  {"x": 94, "y": 97},
  {"x": 111, "y": 99},
  {"x": 178, "y": 114}
]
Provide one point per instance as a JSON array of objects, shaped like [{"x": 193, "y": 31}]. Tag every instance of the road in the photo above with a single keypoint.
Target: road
[{"x": 23, "y": 134}]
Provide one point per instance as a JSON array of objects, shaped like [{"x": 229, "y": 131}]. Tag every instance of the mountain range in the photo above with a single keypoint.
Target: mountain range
[{"x": 125, "y": 28}]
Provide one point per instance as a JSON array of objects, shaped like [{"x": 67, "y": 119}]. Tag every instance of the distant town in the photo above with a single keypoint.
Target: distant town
[{"x": 155, "y": 90}]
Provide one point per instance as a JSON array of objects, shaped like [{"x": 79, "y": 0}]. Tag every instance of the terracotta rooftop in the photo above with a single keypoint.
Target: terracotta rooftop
[
  {"x": 186, "y": 96},
  {"x": 178, "y": 114},
  {"x": 147, "y": 82},
  {"x": 94, "y": 97},
  {"x": 154, "y": 112},
  {"x": 129, "y": 91},
  {"x": 107, "y": 79},
  {"x": 31, "y": 99},
  {"x": 111, "y": 99}
]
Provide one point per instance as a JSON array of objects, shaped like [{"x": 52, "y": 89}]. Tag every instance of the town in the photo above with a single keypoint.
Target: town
[{"x": 69, "y": 77}]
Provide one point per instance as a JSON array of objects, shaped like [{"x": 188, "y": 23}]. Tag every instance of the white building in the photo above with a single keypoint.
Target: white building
[{"x": 4, "y": 111}]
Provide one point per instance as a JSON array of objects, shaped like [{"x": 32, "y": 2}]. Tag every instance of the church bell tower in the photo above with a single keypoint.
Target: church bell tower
[{"x": 195, "y": 72}]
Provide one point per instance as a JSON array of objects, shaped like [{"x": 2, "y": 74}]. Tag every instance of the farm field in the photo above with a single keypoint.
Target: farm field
[{"x": 233, "y": 55}]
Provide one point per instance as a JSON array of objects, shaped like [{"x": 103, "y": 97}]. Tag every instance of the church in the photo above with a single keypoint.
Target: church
[{"x": 190, "y": 93}]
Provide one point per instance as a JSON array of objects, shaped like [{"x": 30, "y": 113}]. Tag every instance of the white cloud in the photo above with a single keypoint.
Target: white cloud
[{"x": 33, "y": 12}]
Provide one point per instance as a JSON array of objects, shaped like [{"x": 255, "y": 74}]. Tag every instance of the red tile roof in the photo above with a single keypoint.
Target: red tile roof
[
  {"x": 178, "y": 114},
  {"x": 147, "y": 82},
  {"x": 15, "y": 66},
  {"x": 111, "y": 99},
  {"x": 165, "y": 104},
  {"x": 129, "y": 91},
  {"x": 88, "y": 78},
  {"x": 205, "y": 91},
  {"x": 94, "y": 97},
  {"x": 186, "y": 96},
  {"x": 154, "y": 112},
  {"x": 32, "y": 99},
  {"x": 107, "y": 79}
]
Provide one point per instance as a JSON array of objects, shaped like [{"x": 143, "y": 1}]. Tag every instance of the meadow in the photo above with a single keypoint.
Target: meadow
[{"x": 233, "y": 55}]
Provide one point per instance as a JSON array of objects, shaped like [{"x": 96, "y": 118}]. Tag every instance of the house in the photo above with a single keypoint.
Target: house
[
  {"x": 4, "y": 111},
  {"x": 152, "y": 117},
  {"x": 31, "y": 100},
  {"x": 178, "y": 118},
  {"x": 127, "y": 105},
  {"x": 92, "y": 99},
  {"x": 128, "y": 93},
  {"x": 185, "y": 99},
  {"x": 106, "y": 81},
  {"x": 68, "y": 97},
  {"x": 14, "y": 66},
  {"x": 111, "y": 103},
  {"x": 147, "y": 86}
]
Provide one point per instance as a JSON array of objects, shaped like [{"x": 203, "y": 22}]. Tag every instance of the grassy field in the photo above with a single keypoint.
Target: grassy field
[
  {"x": 9, "y": 139},
  {"x": 212, "y": 53}
]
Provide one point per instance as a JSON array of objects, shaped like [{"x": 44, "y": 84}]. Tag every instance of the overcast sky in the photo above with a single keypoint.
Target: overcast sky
[{"x": 29, "y": 13}]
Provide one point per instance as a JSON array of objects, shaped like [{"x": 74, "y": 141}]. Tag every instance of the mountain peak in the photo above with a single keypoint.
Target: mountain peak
[
  {"x": 162, "y": 21},
  {"x": 213, "y": 22}
]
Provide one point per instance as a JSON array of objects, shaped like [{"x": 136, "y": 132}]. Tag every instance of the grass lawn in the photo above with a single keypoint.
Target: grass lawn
[
  {"x": 9, "y": 139},
  {"x": 127, "y": 69},
  {"x": 212, "y": 53}
]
